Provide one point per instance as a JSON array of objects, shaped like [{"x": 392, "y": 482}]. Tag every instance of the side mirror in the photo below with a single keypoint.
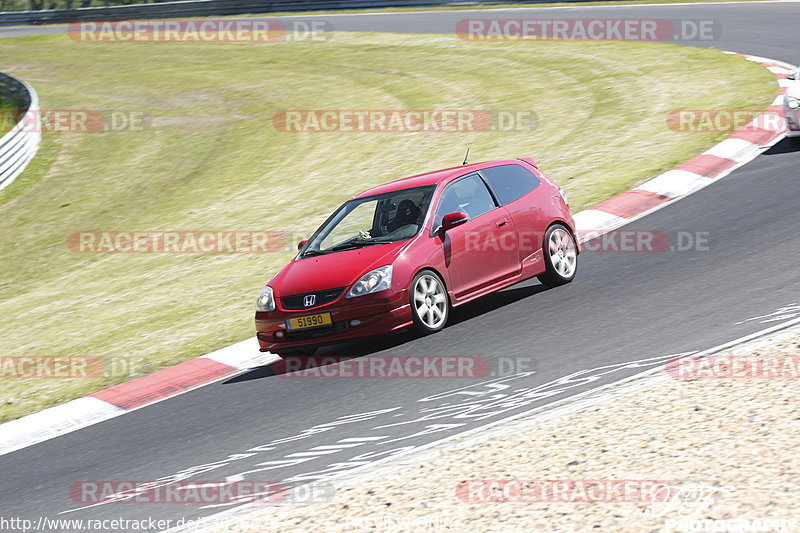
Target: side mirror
[
  {"x": 301, "y": 244},
  {"x": 451, "y": 220}
]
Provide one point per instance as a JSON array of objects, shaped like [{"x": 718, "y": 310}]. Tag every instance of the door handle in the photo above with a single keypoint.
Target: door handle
[{"x": 502, "y": 223}]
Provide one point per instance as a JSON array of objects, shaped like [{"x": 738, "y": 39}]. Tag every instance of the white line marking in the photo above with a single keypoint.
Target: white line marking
[
  {"x": 313, "y": 454},
  {"x": 337, "y": 446},
  {"x": 551, "y": 411}
]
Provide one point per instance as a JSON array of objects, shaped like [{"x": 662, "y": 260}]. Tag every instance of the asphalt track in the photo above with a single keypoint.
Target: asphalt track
[{"x": 622, "y": 308}]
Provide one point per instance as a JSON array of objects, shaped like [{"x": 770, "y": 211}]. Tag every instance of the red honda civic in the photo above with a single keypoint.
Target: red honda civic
[{"x": 403, "y": 254}]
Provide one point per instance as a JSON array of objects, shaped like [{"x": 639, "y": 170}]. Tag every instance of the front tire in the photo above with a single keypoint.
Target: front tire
[
  {"x": 430, "y": 305},
  {"x": 560, "y": 256}
]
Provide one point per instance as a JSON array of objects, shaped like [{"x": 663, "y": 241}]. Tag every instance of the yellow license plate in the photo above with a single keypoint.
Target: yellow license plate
[{"x": 310, "y": 321}]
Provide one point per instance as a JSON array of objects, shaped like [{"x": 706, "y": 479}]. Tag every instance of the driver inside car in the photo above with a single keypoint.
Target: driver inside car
[{"x": 406, "y": 220}]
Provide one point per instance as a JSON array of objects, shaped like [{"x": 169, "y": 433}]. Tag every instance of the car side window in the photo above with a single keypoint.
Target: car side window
[
  {"x": 468, "y": 194},
  {"x": 510, "y": 182}
]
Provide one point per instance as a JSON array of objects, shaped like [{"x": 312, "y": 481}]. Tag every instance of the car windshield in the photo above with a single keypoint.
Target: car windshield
[{"x": 379, "y": 219}]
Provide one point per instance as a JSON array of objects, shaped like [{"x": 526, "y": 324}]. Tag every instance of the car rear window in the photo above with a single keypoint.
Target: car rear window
[{"x": 510, "y": 182}]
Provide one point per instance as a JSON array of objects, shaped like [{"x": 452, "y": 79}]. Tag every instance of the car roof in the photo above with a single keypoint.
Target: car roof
[{"x": 433, "y": 178}]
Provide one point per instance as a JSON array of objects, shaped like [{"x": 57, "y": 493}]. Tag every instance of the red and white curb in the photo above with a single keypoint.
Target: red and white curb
[
  {"x": 126, "y": 397},
  {"x": 743, "y": 146}
]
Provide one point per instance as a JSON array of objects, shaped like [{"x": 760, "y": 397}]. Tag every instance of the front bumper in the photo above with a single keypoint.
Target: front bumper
[
  {"x": 378, "y": 314},
  {"x": 792, "y": 122}
]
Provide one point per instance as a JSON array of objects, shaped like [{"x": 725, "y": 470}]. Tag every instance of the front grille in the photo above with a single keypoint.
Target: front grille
[
  {"x": 304, "y": 334},
  {"x": 296, "y": 301}
]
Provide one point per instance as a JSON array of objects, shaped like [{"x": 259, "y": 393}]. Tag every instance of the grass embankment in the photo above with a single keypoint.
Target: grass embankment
[
  {"x": 212, "y": 160},
  {"x": 9, "y": 113}
]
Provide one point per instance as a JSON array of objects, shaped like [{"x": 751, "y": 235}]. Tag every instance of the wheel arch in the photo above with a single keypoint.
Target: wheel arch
[
  {"x": 435, "y": 271},
  {"x": 569, "y": 227}
]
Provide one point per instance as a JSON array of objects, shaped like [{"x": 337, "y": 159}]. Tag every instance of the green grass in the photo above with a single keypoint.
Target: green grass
[
  {"x": 211, "y": 160},
  {"x": 9, "y": 114}
]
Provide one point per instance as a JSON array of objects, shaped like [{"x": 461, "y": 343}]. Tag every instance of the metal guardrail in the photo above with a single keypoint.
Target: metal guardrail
[
  {"x": 206, "y": 8},
  {"x": 20, "y": 143}
]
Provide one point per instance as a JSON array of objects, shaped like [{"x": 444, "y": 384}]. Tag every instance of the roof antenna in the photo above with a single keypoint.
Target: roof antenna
[{"x": 465, "y": 157}]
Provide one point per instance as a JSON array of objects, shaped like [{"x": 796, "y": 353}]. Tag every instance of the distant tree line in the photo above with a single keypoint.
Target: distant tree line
[{"x": 36, "y": 5}]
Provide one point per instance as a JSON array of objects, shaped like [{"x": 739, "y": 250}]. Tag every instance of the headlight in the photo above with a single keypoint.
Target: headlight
[
  {"x": 376, "y": 280},
  {"x": 265, "y": 302},
  {"x": 792, "y": 102},
  {"x": 563, "y": 195}
]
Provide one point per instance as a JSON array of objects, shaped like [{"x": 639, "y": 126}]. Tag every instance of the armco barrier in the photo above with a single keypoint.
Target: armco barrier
[
  {"x": 19, "y": 145},
  {"x": 207, "y": 8}
]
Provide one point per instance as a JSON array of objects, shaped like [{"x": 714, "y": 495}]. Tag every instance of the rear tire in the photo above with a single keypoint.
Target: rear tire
[
  {"x": 430, "y": 304},
  {"x": 560, "y": 256}
]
